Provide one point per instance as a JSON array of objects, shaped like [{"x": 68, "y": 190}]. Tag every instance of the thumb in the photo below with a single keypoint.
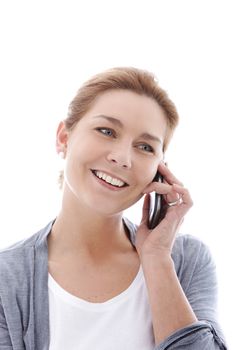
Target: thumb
[{"x": 145, "y": 209}]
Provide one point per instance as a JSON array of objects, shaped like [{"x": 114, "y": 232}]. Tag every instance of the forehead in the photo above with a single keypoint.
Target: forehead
[{"x": 133, "y": 110}]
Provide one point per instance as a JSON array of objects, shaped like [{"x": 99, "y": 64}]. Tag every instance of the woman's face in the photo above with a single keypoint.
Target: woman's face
[{"x": 120, "y": 136}]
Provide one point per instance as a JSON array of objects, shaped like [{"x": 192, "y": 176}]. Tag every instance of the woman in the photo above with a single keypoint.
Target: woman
[{"x": 91, "y": 279}]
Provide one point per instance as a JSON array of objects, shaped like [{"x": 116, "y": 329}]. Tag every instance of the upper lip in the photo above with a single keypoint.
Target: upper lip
[{"x": 113, "y": 176}]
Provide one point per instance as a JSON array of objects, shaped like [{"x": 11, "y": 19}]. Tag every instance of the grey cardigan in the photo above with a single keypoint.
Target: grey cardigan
[{"x": 24, "y": 303}]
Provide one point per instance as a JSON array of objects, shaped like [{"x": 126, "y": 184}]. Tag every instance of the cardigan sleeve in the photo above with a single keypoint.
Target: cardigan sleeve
[
  {"x": 200, "y": 289},
  {"x": 5, "y": 341}
]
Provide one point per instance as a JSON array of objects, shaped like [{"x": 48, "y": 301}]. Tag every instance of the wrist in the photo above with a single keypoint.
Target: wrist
[{"x": 159, "y": 260}]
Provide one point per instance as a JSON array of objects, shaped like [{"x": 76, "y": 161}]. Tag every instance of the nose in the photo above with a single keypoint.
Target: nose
[{"x": 121, "y": 157}]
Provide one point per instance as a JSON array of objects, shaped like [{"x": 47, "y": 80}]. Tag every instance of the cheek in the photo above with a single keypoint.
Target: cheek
[
  {"x": 147, "y": 175},
  {"x": 80, "y": 158},
  {"x": 81, "y": 152}
]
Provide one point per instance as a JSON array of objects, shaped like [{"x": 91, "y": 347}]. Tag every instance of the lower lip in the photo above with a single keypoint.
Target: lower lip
[{"x": 107, "y": 185}]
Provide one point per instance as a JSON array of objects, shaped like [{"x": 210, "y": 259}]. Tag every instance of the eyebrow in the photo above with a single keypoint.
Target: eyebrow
[{"x": 118, "y": 123}]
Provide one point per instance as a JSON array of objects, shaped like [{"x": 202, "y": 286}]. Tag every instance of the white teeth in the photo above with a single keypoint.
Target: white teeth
[{"x": 109, "y": 179}]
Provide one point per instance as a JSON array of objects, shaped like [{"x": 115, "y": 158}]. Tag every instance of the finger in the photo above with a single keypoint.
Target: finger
[
  {"x": 159, "y": 187},
  {"x": 186, "y": 198},
  {"x": 172, "y": 197},
  {"x": 164, "y": 189},
  {"x": 187, "y": 201},
  {"x": 168, "y": 175}
]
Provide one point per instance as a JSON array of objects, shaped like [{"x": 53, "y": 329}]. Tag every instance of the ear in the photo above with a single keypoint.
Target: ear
[{"x": 61, "y": 137}]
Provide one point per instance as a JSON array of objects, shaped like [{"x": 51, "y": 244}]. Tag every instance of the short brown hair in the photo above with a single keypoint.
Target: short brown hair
[{"x": 137, "y": 80}]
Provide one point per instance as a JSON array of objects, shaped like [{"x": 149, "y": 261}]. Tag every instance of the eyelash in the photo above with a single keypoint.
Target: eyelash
[{"x": 114, "y": 134}]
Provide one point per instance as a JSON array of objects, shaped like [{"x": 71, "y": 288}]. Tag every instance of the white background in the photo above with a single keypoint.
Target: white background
[{"x": 48, "y": 48}]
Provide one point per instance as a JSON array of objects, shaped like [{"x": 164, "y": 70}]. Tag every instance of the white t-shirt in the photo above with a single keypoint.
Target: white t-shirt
[{"x": 123, "y": 322}]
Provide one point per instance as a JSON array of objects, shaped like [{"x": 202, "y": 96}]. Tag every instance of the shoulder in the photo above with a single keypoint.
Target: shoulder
[
  {"x": 193, "y": 262},
  {"x": 16, "y": 261},
  {"x": 191, "y": 249}
]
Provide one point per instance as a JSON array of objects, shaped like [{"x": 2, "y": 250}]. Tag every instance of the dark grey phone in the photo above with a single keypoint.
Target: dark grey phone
[{"x": 156, "y": 211}]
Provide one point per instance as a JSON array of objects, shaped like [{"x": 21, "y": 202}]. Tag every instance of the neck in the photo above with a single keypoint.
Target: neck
[{"x": 78, "y": 229}]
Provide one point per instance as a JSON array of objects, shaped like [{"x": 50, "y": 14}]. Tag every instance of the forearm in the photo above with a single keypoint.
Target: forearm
[{"x": 170, "y": 308}]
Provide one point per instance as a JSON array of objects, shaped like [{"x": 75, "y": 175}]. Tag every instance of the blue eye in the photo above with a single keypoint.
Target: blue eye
[
  {"x": 146, "y": 148},
  {"x": 106, "y": 131}
]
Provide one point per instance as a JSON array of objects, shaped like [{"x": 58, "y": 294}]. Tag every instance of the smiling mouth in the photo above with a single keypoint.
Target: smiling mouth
[{"x": 109, "y": 180}]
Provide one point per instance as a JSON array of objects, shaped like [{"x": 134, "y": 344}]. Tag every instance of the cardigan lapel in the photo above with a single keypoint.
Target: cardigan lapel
[{"x": 41, "y": 302}]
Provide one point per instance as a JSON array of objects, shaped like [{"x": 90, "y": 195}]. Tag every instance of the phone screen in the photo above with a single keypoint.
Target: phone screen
[{"x": 156, "y": 213}]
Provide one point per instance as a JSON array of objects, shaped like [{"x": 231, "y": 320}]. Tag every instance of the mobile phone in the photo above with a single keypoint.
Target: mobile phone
[{"x": 156, "y": 210}]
